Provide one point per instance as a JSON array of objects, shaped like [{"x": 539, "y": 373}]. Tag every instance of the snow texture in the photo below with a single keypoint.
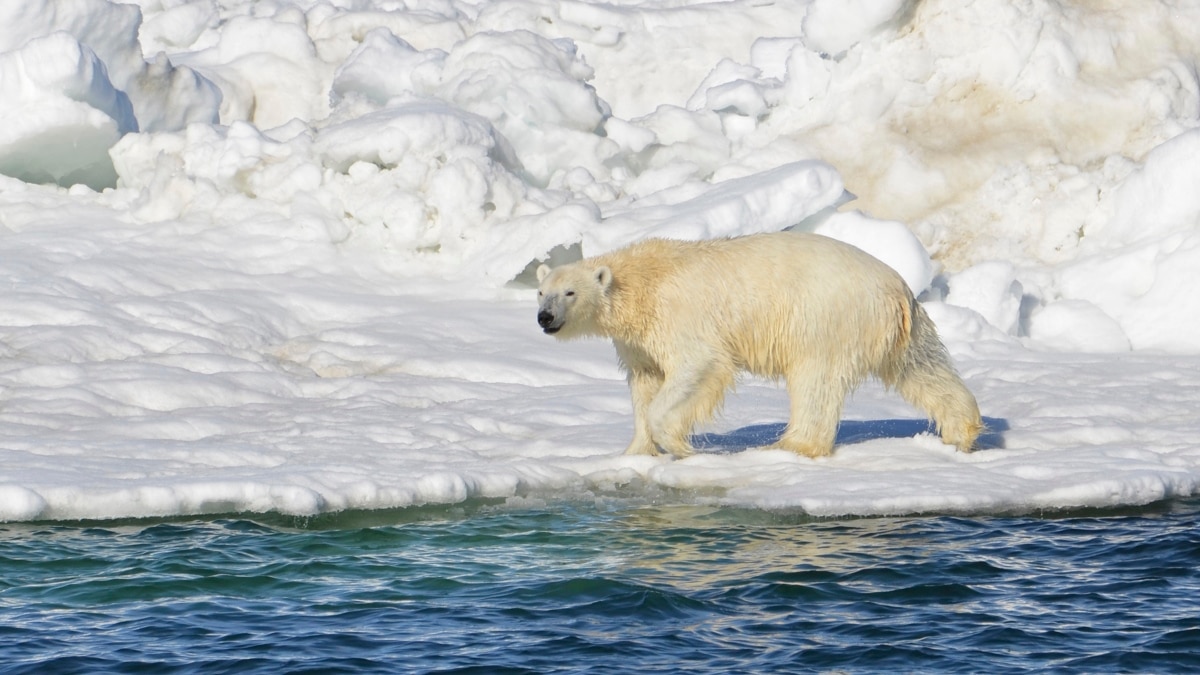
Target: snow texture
[{"x": 274, "y": 256}]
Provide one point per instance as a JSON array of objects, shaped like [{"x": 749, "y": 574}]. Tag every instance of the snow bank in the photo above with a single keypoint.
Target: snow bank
[
  {"x": 273, "y": 266},
  {"x": 1137, "y": 264},
  {"x": 765, "y": 202},
  {"x": 73, "y": 81},
  {"x": 61, "y": 113},
  {"x": 833, "y": 27},
  {"x": 889, "y": 241}
]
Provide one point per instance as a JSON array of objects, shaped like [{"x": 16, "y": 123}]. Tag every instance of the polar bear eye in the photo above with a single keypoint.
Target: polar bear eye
[{"x": 570, "y": 294}]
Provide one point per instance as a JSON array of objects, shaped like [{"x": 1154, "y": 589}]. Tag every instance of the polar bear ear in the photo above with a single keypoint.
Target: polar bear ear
[
  {"x": 603, "y": 276},
  {"x": 542, "y": 271}
]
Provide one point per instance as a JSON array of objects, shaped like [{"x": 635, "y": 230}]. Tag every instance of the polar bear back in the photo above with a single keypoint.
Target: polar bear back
[{"x": 766, "y": 301}]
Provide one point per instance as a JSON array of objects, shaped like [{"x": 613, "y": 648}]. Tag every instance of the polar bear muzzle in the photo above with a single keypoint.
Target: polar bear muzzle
[
  {"x": 552, "y": 313},
  {"x": 547, "y": 321}
]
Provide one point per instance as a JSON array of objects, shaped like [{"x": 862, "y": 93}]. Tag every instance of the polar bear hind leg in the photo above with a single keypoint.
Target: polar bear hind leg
[
  {"x": 927, "y": 379},
  {"x": 816, "y": 398}
]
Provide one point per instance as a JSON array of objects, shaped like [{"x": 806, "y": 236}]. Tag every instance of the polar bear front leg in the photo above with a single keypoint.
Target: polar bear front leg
[
  {"x": 643, "y": 386},
  {"x": 688, "y": 395}
]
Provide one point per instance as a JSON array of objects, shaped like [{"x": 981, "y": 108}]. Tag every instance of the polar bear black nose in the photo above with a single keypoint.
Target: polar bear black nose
[{"x": 545, "y": 318}]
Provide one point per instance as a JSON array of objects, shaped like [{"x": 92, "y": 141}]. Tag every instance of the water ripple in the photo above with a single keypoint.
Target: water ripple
[{"x": 574, "y": 588}]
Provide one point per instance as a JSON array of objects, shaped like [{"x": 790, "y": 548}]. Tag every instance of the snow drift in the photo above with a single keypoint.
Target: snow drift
[{"x": 269, "y": 256}]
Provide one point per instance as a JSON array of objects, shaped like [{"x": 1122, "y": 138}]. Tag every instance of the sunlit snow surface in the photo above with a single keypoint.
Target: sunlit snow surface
[{"x": 292, "y": 291}]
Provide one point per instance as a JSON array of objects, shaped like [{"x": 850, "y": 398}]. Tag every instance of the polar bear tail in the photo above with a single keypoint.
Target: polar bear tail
[{"x": 927, "y": 379}]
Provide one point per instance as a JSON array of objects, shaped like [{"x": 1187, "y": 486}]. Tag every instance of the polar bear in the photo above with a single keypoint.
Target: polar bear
[{"x": 687, "y": 316}]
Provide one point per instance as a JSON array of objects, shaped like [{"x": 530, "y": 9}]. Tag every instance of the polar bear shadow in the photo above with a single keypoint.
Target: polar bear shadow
[{"x": 849, "y": 432}]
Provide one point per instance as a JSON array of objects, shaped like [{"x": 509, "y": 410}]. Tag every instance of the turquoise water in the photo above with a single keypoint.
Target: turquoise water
[{"x": 608, "y": 587}]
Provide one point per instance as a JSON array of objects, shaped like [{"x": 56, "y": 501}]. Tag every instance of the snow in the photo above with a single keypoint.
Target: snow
[
  {"x": 274, "y": 256},
  {"x": 74, "y": 81}
]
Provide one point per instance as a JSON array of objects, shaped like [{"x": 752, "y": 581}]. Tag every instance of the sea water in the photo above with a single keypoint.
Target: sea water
[{"x": 612, "y": 585}]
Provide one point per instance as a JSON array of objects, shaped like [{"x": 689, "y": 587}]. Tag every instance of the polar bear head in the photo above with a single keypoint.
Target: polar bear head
[{"x": 570, "y": 298}]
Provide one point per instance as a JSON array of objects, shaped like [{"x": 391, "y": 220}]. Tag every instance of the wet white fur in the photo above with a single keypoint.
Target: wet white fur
[{"x": 686, "y": 317}]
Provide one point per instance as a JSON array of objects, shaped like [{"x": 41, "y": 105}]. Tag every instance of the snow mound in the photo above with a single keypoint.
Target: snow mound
[{"x": 73, "y": 81}]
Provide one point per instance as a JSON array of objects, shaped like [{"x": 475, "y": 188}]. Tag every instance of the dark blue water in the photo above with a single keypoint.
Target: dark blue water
[{"x": 607, "y": 588}]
